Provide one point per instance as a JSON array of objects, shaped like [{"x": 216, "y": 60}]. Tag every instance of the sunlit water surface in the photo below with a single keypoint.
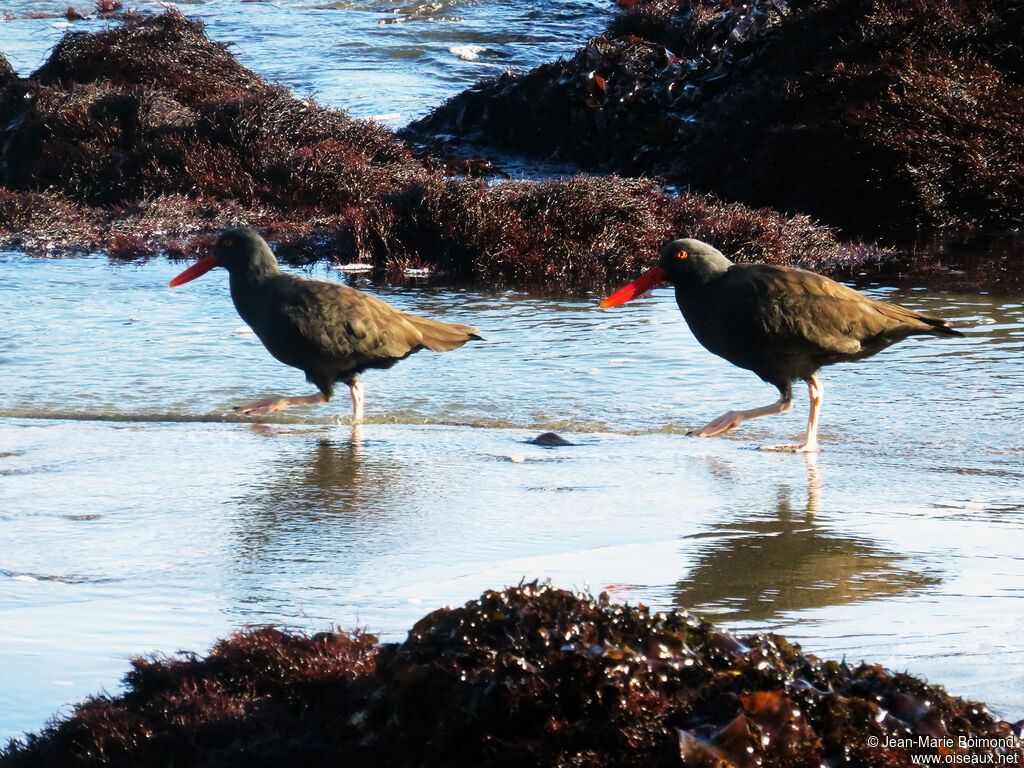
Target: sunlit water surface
[
  {"x": 389, "y": 60},
  {"x": 138, "y": 514}
]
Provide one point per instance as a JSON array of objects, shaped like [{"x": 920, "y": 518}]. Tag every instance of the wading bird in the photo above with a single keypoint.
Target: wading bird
[
  {"x": 779, "y": 322},
  {"x": 329, "y": 331}
]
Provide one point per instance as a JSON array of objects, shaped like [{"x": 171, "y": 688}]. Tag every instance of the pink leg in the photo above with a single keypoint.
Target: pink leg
[
  {"x": 810, "y": 443},
  {"x": 279, "y": 403},
  {"x": 356, "y": 390},
  {"x": 732, "y": 419}
]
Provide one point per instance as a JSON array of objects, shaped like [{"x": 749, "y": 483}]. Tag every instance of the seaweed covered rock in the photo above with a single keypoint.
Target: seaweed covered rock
[
  {"x": 860, "y": 113},
  {"x": 530, "y": 676},
  {"x": 155, "y": 107},
  {"x": 7, "y": 73},
  {"x": 146, "y": 137},
  {"x": 621, "y": 102},
  {"x": 168, "y": 53},
  {"x": 912, "y": 113},
  {"x": 587, "y": 230},
  {"x": 259, "y": 698}
]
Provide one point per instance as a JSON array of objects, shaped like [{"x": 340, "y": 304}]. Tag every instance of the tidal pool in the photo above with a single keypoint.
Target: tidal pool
[{"x": 138, "y": 514}]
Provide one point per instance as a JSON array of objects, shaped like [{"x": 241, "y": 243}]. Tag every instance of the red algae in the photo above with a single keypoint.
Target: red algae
[
  {"x": 529, "y": 676},
  {"x": 148, "y": 137},
  {"x": 863, "y": 114},
  {"x": 908, "y": 113}
]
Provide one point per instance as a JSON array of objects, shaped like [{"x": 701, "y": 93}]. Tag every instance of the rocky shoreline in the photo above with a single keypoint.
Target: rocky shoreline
[
  {"x": 529, "y": 676},
  {"x": 147, "y": 137},
  {"x": 869, "y": 116}
]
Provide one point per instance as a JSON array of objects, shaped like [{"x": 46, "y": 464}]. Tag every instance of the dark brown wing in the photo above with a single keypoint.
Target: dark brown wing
[
  {"x": 322, "y": 326},
  {"x": 806, "y": 310},
  {"x": 378, "y": 328}
]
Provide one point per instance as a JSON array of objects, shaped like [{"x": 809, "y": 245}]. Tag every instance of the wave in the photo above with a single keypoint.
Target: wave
[{"x": 396, "y": 418}]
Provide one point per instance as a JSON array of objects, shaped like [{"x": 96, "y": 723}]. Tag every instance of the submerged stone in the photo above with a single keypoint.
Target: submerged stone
[{"x": 550, "y": 439}]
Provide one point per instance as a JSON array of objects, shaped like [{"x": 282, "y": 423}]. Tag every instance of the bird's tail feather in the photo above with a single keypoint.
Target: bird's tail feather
[
  {"x": 912, "y": 323},
  {"x": 939, "y": 327},
  {"x": 442, "y": 337}
]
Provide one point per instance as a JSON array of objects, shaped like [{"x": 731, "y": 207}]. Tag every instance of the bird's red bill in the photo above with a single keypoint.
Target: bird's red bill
[
  {"x": 644, "y": 283},
  {"x": 201, "y": 267}
]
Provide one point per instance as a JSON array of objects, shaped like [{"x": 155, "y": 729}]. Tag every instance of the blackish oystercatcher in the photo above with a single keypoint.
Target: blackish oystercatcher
[
  {"x": 781, "y": 323},
  {"x": 329, "y": 331}
]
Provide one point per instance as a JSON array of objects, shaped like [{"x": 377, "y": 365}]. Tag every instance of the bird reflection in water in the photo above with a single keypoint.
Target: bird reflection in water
[
  {"x": 316, "y": 499},
  {"x": 759, "y": 564}
]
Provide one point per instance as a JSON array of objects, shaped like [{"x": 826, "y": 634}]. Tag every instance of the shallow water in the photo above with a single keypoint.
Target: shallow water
[
  {"x": 390, "y": 60},
  {"x": 138, "y": 514}
]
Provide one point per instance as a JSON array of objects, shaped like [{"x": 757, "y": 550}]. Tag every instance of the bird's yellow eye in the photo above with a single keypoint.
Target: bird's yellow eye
[
  {"x": 682, "y": 255},
  {"x": 227, "y": 242}
]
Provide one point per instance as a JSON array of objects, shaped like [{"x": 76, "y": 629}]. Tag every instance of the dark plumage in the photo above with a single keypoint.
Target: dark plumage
[
  {"x": 329, "y": 331},
  {"x": 779, "y": 322}
]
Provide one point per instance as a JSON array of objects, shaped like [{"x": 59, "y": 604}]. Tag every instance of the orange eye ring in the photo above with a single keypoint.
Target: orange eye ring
[
  {"x": 682, "y": 255},
  {"x": 227, "y": 242}
]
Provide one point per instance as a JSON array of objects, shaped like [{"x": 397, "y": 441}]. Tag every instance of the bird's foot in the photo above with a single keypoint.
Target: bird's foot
[
  {"x": 263, "y": 407},
  {"x": 804, "y": 448},
  {"x": 278, "y": 403},
  {"x": 725, "y": 422}
]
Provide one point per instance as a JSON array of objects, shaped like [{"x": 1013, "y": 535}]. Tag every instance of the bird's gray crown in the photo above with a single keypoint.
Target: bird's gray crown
[
  {"x": 244, "y": 251},
  {"x": 691, "y": 261}
]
